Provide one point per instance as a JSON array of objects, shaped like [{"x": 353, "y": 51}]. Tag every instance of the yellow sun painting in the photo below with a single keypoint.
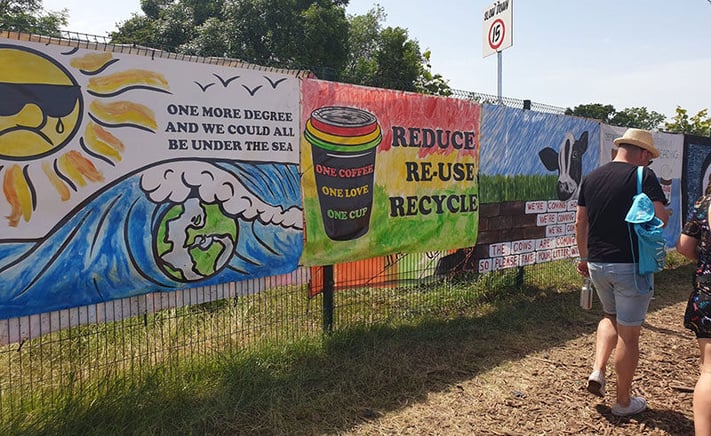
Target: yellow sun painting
[{"x": 42, "y": 111}]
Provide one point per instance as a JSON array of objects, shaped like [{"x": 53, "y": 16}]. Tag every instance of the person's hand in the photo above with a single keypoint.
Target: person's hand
[{"x": 582, "y": 268}]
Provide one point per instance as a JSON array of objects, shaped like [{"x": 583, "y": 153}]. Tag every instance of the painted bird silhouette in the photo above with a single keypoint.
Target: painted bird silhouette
[
  {"x": 252, "y": 91},
  {"x": 274, "y": 83},
  {"x": 203, "y": 87},
  {"x": 225, "y": 82}
]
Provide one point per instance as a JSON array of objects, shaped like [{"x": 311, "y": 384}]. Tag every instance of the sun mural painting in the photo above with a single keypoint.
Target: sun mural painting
[
  {"x": 41, "y": 112},
  {"x": 102, "y": 198}
]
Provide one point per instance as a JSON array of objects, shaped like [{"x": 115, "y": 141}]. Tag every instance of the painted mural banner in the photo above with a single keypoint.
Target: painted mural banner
[
  {"x": 696, "y": 170},
  {"x": 127, "y": 171},
  {"x": 386, "y": 172},
  {"x": 667, "y": 167},
  {"x": 531, "y": 168},
  {"x": 528, "y": 155}
]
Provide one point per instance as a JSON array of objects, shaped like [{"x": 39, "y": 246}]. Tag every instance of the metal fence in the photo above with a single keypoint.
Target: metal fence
[
  {"x": 90, "y": 349},
  {"x": 328, "y": 73},
  {"x": 93, "y": 357},
  {"x": 482, "y": 98}
]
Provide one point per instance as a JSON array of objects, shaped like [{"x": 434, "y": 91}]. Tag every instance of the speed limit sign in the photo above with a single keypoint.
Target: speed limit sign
[
  {"x": 497, "y": 31},
  {"x": 498, "y": 26}
]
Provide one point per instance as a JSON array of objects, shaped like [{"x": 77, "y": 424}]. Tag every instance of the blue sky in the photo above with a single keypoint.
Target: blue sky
[{"x": 630, "y": 53}]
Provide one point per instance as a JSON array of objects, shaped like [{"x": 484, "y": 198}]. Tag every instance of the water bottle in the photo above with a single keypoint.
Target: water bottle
[{"x": 586, "y": 294}]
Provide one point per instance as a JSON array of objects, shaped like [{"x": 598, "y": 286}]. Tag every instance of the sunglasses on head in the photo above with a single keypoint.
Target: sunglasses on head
[{"x": 55, "y": 100}]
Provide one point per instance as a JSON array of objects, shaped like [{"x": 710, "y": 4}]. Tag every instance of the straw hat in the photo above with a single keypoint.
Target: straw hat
[{"x": 640, "y": 138}]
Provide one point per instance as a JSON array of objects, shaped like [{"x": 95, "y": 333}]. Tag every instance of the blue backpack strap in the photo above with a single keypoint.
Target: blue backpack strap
[{"x": 640, "y": 170}]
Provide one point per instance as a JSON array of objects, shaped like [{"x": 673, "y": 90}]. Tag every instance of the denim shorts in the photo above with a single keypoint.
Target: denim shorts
[{"x": 622, "y": 291}]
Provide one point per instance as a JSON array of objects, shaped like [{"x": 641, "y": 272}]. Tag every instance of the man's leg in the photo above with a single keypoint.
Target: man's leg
[
  {"x": 605, "y": 342},
  {"x": 702, "y": 392},
  {"x": 626, "y": 360}
]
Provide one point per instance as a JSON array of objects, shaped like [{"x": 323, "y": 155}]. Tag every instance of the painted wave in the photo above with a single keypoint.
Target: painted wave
[{"x": 105, "y": 250}]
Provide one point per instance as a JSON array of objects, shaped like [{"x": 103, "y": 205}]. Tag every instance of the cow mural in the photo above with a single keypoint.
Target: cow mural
[{"x": 568, "y": 161}]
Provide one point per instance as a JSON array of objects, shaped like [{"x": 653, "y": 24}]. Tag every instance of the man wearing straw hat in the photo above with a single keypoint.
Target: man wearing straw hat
[{"x": 607, "y": 251}]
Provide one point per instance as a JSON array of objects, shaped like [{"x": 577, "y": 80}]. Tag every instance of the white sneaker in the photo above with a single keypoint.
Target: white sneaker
[
  {"x": 637, "y": 405},
  {"x": 596, "y": 383}
]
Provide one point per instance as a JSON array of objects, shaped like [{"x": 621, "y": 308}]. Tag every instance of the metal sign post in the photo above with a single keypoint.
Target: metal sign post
[
  {"x": 499, "y": 69},
  {"x": 498, "y": 33}
]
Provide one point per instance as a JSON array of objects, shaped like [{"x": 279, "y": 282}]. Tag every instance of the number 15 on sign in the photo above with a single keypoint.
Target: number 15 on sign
[{"x": 496, "y": 34}]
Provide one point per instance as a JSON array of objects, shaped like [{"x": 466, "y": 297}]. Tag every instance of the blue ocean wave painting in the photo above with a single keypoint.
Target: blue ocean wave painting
[{"x": 176, "y": 225}]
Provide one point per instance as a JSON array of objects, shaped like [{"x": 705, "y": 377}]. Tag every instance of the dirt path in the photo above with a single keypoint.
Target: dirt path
[{"x": 544, "y": 392}]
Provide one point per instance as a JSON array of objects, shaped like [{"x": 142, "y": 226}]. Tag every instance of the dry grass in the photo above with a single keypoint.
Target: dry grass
[{"x": 537, "y": 384}]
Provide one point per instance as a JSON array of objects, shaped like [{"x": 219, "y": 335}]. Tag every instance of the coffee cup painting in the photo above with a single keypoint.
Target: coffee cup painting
[{"x": 343, "y": 145}]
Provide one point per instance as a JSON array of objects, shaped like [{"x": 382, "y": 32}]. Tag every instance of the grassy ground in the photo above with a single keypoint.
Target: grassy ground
[
  {"x": 331, "y": 384},
  {"x": 536, "y": 382}
]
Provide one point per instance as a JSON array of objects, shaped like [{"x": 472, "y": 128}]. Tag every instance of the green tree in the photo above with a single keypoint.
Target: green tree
[
  {"x": 208, "y": 40},
  {"x": 428, "y": 83},
  {"x": 139, "y": 30},
  {"x": 681, "y": 122},
  {"x": 314, "y": 35},
  {"x": 298, "y": 34},
  {"x": 29, "y": 16},
  {"x": 596, "y": 111},
  {"x": 388, "y": 58},
  {"x": 398, "y": 60},
  {"x": 325, "y": 33},
  {"x": 364, "y": 42},
  {"x": 638, "y": 117}
]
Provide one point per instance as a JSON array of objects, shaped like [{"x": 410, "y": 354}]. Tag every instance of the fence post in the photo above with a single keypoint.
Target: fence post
[
  {"x": 328, "y": 283},
  {"x": 519, "y": 276}
]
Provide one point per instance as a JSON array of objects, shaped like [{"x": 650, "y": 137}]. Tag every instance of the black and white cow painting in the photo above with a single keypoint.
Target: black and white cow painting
[{"x": 568, "y": 161}]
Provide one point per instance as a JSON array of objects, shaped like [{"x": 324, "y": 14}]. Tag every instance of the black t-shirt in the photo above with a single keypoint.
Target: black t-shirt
[{"x": 607, "y": 194}]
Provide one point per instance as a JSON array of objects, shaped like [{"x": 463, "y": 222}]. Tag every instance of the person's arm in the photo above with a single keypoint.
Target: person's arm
[
  {"x": 653, "y": 189},
  {"x": 688, "y": 247},
  {"x": 688, "y": 244},
  {"x": 661, "y": 212},
  {"x": 581, "y": 238}
]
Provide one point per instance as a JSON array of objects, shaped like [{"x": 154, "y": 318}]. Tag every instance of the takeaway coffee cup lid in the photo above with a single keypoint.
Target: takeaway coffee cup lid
[{"x": 336, "y": 127}]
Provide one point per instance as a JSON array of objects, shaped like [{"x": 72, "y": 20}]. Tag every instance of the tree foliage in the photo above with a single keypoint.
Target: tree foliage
[
  {"x": 364, "y": 42},
  {"x": 428, "y": 83},
  {"x": 398, "y": 60},
  {"x": 595, "y": 111},
  {"x": 638, "y": 117},
  {"x": 681, "y": 122},
  {"x": 29, "y": 16},
  {"x": 297, "y": 34},
  {"x": 388, "y": 58}
]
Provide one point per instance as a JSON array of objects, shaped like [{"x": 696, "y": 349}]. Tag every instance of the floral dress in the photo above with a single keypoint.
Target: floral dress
[{"x": 698, "y": 310}]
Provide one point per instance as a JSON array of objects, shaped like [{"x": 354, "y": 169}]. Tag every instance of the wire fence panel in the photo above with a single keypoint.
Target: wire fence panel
[
  {"x": 93, "y": 356},
  {"x": 95, "y": 349},
  {"x": 192, "y": 325},
  {"x": 482, "y": 98}
]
